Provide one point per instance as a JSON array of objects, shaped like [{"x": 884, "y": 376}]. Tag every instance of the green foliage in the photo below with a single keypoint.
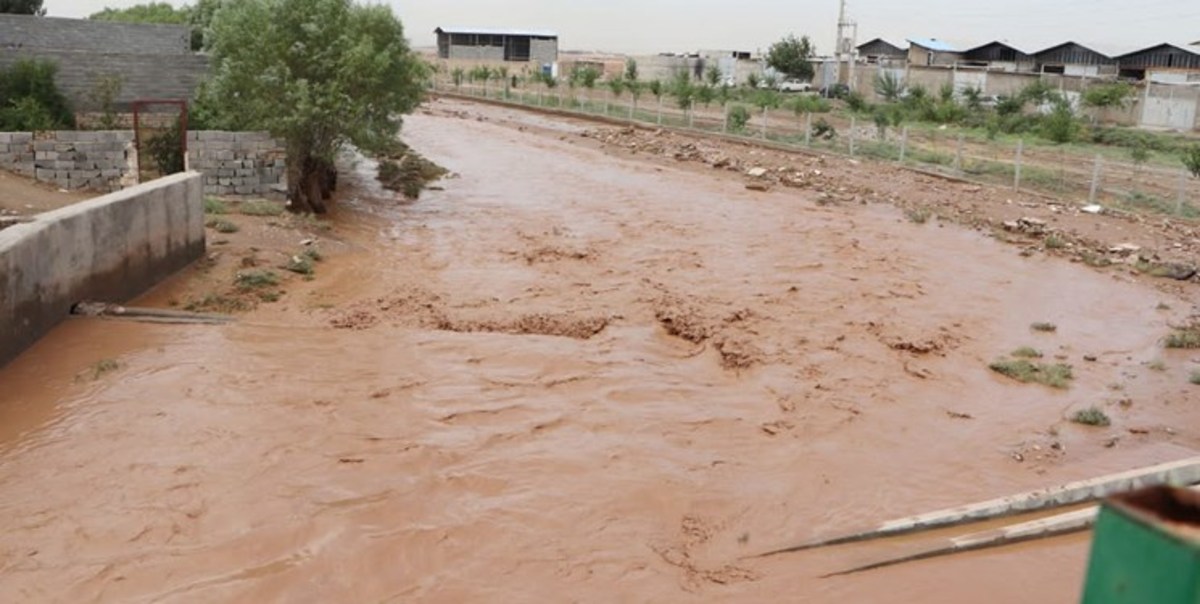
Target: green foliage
[
  {"x": 152, "y": 12},
  {"x": 1112, "y": 95},
  {"x": 1191, "y": 160},
  {"x": 103, "y": 98},
  {"x": 458, "y": 74},
  {"x": 212, "y": 205},
  {"x": 1140, "y": 154},
  {"x": 1060, "y": 125},
  {"x": 739, "y": 116},
  {"x": 1025, "y": 371},
  {"x": 1010, "y": 105},
  {"x": 260, "y": 207},
  {"x": 617, "y": 86},
  {"x": 807, "y": 103},
  {"x": 973, "y": 98},
  {"x": 1188, "y": 338},
  {"x": 705, "y": 94},
  {"x": 585, "y": 75},
  {"x": 752, "y": 80},
  {"x": 682, "y": 89},
  {"x": 766, "y": 98},
  {"x": 22, "y": 7},
  {"x": 30, "y": 100},
  {"x": 887, "y": 85},
  {"x": 1092, "y": 416},
  {"x": 166, "y": 149},
  {"x": 790, "y": 56},
  {"x": 631, "y": 70},
  {"x": 918, "y": 215},
  {"x": 856, "y": 103},
  {"x": 712, "y": 75},
  {"x": 822, "y": 129},
  {"x": 1026, "y": 352},
  {"x": 1039, "y": 93},
  {"x": 256, "y": 279},
  {"x": 221, "y": 225},
  {"x": 301, "y": 265},
  {"x": 656, "y": 88},
  {"x": 318, "y": 74}
]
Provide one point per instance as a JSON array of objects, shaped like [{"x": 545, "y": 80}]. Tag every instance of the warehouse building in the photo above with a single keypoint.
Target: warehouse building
[{"x": 494, "y": 45}]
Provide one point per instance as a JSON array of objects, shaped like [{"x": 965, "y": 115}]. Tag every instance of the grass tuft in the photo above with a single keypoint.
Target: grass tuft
[
  {"x": 1184, "y": 338},
  {"x": 1044, "y": 327},
  {"x": 1092, "y": 416},
  {"x": 301, "y": 265},
  {"x": 1157, "y": 365},
  {"x": 260, "y": 207},
  {"x": 1025, "y": 352},
  {"x": 104, "y": 366},
  {"x": 1056, "y": 376},
  {"x": 256, "y": 279},
  {"x": 221, "y": 225},
  {"x": 918, "y": 215},
  {"x": 1195, "y": 378},
  {"x": 1055, "y": 242},
  {"x": 212, "y": 205},
  {"x": 313, "y": 253}
]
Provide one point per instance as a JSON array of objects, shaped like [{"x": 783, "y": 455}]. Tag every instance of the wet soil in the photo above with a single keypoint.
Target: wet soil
[{"x": 576, "y": 373}]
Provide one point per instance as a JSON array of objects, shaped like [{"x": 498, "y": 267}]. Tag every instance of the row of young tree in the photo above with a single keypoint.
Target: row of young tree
[{"x": 1038, "y": 109}]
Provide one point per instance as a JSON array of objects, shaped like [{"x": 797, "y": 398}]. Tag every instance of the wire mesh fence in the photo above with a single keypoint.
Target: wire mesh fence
[{"x": 1089, "y": 174}]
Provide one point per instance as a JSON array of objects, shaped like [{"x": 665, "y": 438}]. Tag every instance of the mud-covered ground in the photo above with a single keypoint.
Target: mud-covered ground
[{"x": 580, "y": 373}]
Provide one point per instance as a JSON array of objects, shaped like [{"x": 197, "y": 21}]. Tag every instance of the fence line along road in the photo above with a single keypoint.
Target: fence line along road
[{"x": 1098, "y": 179}]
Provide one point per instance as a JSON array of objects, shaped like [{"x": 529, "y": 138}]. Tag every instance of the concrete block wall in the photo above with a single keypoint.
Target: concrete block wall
[
  {"x": 100, "y": 161},
  {"x": 110, "y": 249},
  {"x": 237, "y": 163},
  {"x": 169, "y": 76},
  {"x": 98, "y": 37}
]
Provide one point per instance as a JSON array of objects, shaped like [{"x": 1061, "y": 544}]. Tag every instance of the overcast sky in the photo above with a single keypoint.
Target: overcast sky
[{"x": 651, "y": 26}]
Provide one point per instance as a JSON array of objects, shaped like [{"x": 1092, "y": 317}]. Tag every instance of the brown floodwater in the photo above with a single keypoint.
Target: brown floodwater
[{"x": 489, "y": 403}]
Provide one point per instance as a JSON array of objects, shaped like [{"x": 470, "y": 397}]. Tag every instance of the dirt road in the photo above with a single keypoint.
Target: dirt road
[{"x": 574, "y": 375}]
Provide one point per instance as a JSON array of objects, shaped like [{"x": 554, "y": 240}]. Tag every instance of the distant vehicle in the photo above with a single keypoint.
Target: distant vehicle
[
  {"x": 835, "y": 91},
  {"x": 794, "y": 86}
]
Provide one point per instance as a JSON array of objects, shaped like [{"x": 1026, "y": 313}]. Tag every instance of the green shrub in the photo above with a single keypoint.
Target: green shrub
[
  {"x": 1184, "y": 338},
  {"x": 212, "y": 205},
  {"x": 1092, "y": 416},
  {"x": 739, "y": 116},
  {"x": 1191, "y": 160},
  {"x": 1025, "y": 371},
  {"x": 1061, "y": 125},
  {"x": 221, "y": 225},
  {"x": 1025, "y": 352},
  {"x": 256, "y": 279},
  {"x": 166, "y": 150},
  {"x": 823, "y": 129},
  {"x": 30, "y": 100},
  {"x": 856, "y": 103}
]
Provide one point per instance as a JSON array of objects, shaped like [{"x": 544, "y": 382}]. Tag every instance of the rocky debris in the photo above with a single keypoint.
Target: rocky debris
[
  {"x": 1027, "y": 225},
  {"x": 682, "y": 319},
  {"x": 539, "y": 324},
  {"x": 758, "y": 186},
  {"x": 756, "y": 172}
]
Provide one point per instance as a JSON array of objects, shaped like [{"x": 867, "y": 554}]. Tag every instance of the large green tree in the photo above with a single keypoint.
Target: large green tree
[
  {"x": 22, "y": 7},
  {"x": 791, "y": 57},
  {"x": 318, "y": 73}
]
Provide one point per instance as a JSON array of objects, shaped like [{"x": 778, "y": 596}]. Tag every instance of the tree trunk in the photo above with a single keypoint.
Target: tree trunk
[{"x": 310, "y": 182}]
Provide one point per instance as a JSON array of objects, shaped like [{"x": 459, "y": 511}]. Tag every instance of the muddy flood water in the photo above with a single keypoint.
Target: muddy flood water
[{"x": 572, "y": 376}]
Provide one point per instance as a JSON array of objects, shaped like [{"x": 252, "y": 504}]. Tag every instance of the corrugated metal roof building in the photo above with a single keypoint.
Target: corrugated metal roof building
[{"x": 494, "y": 45}]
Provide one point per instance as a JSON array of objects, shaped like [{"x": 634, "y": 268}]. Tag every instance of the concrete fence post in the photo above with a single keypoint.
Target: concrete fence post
[
  {"x": 762, "y": 133},
  {"x": 1095, "y": 180},
  {"x": 958, "y": 154},
  {"x": 808, "y": 129},
  {"x": 691, "y": 114},
  {"x": 725, "y": 120},
  {"x": 903, "y": 143},
  {"x": 1017, "y": 165},
  {"x": 632, "y": 106},
  {"x": 658, "y": 114},
  {"x": 853, "y": 125}
]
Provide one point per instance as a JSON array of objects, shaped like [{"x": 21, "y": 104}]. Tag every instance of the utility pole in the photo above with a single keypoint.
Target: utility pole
[{"x": 844, "y": 45}]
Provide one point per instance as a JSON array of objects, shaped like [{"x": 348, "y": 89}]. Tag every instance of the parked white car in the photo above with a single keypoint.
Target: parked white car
[{"x": 794, "y": 86}]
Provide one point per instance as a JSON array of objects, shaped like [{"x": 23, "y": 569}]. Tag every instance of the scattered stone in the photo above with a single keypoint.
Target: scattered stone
[
  {"x": 1092, "y": 209},
  {"x": 1125, "y": 249},
  {"x": 758, "y": 186},
  {"x": 756, "y": 172},
  {"x": 1091, "y": 358}
]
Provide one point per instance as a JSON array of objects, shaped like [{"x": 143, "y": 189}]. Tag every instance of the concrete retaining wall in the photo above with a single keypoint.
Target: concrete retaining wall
[
  {"x": 233, "y": 163},
  {"x": 111, "y": 248}
]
